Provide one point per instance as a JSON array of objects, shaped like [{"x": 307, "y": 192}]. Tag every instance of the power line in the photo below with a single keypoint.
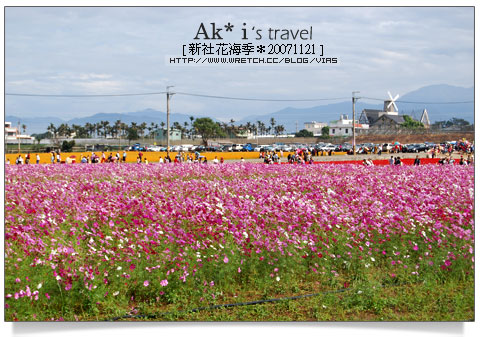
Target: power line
[
  {"x": 178, "y": 93},
  {"x": 409, "y": 102},
  {"x": 86, "y": 96},
  {"x": 221, "y": 97},
  {"x": 263, "y": 99}
]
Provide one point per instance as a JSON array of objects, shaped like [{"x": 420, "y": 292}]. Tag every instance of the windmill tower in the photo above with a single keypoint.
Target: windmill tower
[
  {"x": 424, "y": 119},
  {"x": 389, "y": 106}
]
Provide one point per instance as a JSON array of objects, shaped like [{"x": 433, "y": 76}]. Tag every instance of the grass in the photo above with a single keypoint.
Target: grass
[{"x": 409, "y": 302}]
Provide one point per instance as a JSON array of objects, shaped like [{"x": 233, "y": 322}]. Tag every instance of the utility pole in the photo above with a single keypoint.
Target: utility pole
[
  {"x": 168, "y": 117},
  {"x": 18, "y": 136},
  {"x": 353, "y": 121}
]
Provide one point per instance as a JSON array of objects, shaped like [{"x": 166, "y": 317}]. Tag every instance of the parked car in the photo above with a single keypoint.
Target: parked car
[
  {"x": 259, "y": 148},
  {"x": 421, "y": 148},
  {"x": 137, "y": 147},
  {"x": 227, "y": 148},
  {"x": 247, "y": 147},
  {"x": 154, "y": 148}
]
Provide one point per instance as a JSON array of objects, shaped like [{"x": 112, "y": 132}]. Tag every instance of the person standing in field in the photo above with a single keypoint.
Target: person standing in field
[
  {"x": 27, "y": 158},
  {"x": 52, "y": 158},
  {"x": 58, "y": 158},
  {"x": 416, "y": 162},
  {"x": 391, "y": 160},
  {"x": 38, "y": 158},
  {"x": 124, "y": 156}
]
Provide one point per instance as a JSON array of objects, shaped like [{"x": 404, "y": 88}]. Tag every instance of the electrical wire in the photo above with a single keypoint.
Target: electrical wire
[
  {"x": 264, "y": 99},
  {"x": 86, "y": 96},
  {"x": 224, "y": 97},
  {"x": 409, "y": 102},
  {"x": 178, "y": 93}
]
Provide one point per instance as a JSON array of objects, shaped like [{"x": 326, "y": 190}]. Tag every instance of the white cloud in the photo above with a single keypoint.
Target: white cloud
[{"x": 111, "y": 50}]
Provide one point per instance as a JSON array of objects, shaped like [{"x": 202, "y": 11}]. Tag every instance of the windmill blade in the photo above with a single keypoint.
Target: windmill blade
[
  {"x": 392, "y": 100},
  {"x": 394, "y": 105}
]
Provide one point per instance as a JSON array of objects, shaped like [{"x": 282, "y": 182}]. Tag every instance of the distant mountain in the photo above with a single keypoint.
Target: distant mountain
[
  {"x": 40, "y": 124},
  {"x": 432, "y": 96},
  {"x": 439, "y": 94},
  {"x": 294, "y": 118},
  {"x": 34, "y": 124}
]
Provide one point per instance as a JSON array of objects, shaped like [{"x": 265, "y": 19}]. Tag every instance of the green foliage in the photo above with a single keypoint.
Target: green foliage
[
  {"x": 132, "y": 134},
  {"x": 207, "y": 129},
  {"x": 304, "y": 133},
  {"x": 410, "y": 123},
  {"x": 67, "y": 146},
  {"x": 326, "y": 131}
]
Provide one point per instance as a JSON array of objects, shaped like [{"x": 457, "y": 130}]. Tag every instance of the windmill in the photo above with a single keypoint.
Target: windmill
[{"x": 389, "y": 106}]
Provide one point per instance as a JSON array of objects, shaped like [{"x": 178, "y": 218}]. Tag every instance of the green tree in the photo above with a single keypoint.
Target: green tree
[
  {"x": 456, "y": 122},
  {"x": 326, "y": 131},
  {"x": 207, "y": 129},
  {"x": 132, "y": 134},
  {"x": 304, "y": 133},
  {"x": 67, "y": 146},
  {"x": 410, "y": 123}
]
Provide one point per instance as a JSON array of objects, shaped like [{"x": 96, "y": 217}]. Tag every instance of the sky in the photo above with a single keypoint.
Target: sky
[{"x": 115, "y": 50}]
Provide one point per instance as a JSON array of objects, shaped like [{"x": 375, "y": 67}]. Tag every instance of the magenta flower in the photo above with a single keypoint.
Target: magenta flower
[
  {"x": 146, "y": 283},
  {"x": 164, "y": 283}
]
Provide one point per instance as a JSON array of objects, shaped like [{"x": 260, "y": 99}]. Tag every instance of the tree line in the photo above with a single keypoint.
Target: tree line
[{"x": 189, "y": 130}]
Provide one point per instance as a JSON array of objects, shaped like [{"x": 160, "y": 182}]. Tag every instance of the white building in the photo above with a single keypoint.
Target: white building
[
  {"x": 12, "y": 135},
  {"x": 343, "y": 127},
  {"x": 315, "y": 127}
]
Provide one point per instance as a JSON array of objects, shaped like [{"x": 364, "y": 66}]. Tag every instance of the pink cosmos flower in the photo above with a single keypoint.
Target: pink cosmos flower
[
  {"x": 225, "y": 259},
  {"x": 163, "y": 283},
  {"x": 146, "y": 283}
]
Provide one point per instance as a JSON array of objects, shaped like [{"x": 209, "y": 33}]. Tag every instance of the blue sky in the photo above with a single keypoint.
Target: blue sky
[{"x": 74, "y": 50}]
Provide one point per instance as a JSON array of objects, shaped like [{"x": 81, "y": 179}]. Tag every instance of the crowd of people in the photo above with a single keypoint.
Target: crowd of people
[{"x": 300, "y": 156}]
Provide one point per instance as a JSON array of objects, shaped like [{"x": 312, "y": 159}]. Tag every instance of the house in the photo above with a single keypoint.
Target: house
[
  {"x": 387, "y": 122},
  {"x": 424, "y": 119},
  {"x": 161, "y": 135},
  {"x": 386, "y": 119},
  {"x": 315, "y": 127},
  {"x": 13, "y": 135},
  {"x": 343, "y": 127}
]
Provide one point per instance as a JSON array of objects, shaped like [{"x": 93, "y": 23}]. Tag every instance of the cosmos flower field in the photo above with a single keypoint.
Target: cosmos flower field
[{"x": 88, "y": 242}]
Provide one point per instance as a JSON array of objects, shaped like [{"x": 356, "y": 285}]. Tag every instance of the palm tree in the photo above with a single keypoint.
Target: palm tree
[
  {"x": 141, "y": 128},
  {"x": 192, "y": 129},
  {"x": 24, "y": 127},
  {"x": 272, "y": 123},
  {"x": 53, "y": 130},
  {"x": 279, "y": 130},
  {"x": 98, "y": 128},
  {"x": 90, "y": 128},
  {"x": 106, "y": 128},
  {"x": 117, "y": 127}
]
